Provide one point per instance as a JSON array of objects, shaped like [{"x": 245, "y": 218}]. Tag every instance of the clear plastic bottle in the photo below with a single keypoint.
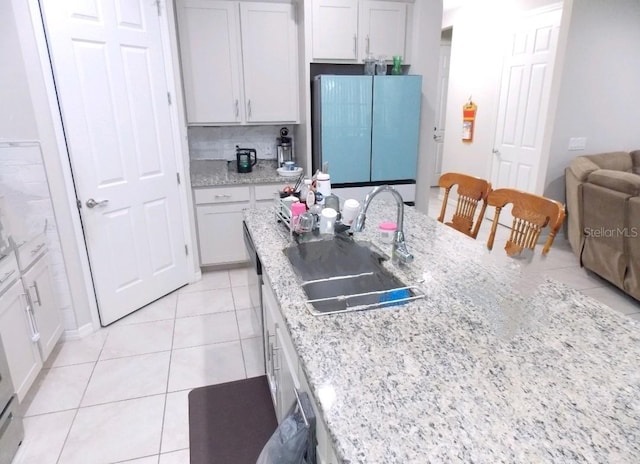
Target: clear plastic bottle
[
  {"x": 369, "y": 66},
  {"x": 323, "y": 184},
  {"x": 304, "y": 190},
  {"x": 310, "y": 197}
]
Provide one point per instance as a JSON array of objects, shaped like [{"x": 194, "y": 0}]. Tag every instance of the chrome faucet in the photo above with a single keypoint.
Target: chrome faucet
[{"x": 399, "y": 252}]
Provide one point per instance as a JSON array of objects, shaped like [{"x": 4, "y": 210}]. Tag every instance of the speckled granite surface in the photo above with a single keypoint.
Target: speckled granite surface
[
  {"x": 496, "y": 364},
  {"x": 210, "y": 173}
]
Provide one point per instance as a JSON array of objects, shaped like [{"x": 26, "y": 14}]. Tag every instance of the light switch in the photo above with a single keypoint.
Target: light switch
[{"x": 577, "y": 143}]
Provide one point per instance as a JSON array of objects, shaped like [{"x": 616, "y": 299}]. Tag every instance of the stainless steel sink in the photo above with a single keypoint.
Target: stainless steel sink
[{"x": 341, "y": 275}]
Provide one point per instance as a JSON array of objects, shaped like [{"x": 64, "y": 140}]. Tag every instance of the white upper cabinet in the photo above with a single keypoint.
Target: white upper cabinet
[
  {"x": 335, "y": 29},
  {"x": 239, "y": 62},
  {"x": 209, "y": 38},
  {"x": 382, "y": 29},
  {"x": 349, "y": 30},
  {"x": 270, "y": 62}
]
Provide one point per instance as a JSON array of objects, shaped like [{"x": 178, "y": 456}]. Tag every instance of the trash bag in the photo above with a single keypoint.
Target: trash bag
[{"x": 293, "y": 442}]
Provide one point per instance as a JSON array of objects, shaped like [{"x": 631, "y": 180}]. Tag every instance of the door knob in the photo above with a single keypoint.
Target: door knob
[
  {"x": 495, "y": 151},
  {"x": 91, "y": 203}
]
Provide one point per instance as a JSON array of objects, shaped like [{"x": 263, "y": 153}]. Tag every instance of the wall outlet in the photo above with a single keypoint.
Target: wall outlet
[{"x": 577, "y": 143}]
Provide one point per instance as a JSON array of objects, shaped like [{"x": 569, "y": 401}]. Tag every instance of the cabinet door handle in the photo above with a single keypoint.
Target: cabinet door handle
[
  {"x": 37, "y": 249},
  {"x": 222, "y": 195},
  {"x": 249, "y": 108},
  {"x": 270, "y": 346},
  {"x": 355, "y": 46},
  {"x": 237, "y": 109},
  {"x": 275, "y": 348},
  {"x": 368, "y": 44},
  {"x": 35, "y": 287},
  {"x": 6, "y": 276},
  {"x": 35, "y": 335},
  {"x": 276, "y": 368}
]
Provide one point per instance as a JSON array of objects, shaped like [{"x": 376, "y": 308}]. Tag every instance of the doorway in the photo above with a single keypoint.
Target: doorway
[
  {"x": 441, "y": 102},
  {"x": 526, "y": 81}
]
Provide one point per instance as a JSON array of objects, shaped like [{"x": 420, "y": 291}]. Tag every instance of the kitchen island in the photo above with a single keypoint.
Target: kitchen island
[{"x": 495, "y": 364}]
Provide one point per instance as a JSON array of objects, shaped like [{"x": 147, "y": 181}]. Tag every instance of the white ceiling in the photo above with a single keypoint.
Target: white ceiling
[{"x": 452, "y": 4}]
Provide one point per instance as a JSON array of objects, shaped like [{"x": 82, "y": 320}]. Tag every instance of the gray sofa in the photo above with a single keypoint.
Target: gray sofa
[{"x": 603, "y": 208}]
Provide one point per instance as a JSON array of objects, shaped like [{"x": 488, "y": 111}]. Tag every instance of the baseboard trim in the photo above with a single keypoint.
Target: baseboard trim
[{"x": 77, "y": 334}]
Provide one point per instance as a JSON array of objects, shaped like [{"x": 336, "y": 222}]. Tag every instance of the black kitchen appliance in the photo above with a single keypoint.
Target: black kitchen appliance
[
  {"x": 254, "y": 278},
  {"x": 246, "y": 158}
]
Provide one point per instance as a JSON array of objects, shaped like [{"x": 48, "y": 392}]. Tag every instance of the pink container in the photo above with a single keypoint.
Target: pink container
[
  {"x": 387, "y": 231},
  {"x": 296, "y": 210}
]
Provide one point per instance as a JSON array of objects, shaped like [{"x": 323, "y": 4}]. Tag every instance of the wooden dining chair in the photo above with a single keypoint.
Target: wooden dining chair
[
  {"x": 531, "y": 213},
  {"x": 471, "y": 191}
]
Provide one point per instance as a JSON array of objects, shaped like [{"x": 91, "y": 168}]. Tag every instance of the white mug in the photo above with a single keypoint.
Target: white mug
[
  {"x": 350, "y": 210},
  {"x": 328, "y": 220}
]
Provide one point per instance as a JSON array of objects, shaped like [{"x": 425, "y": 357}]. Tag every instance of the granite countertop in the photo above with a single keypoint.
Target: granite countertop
[
  {"x": 211, "y": 173},
  {"x": 496, "y": 364}
]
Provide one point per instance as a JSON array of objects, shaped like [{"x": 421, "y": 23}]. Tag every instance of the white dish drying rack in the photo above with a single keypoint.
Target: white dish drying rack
[{"x": 283, "y": 215}]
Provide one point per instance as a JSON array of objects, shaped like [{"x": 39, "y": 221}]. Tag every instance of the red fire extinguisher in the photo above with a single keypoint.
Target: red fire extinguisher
[{"x": 468, "y": 120}]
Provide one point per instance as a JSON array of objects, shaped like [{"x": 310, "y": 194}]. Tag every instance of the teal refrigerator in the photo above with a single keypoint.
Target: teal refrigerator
[{"x": 366, "y": 127}]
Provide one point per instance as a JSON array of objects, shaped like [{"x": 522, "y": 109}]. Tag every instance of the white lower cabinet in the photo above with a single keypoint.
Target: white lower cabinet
[
  {"x": 280, "y": 358},
  {"x": 39, "y": 287},
  {"x": 220, "y": 234},
  {"x": 264, "y": 195},
  {"x": 219, "y": 220},
  {"x": 17, "y": 330},
  {"x": 30, "y": 322},
  {"x": 285, "y": 373},
  {"x": 324, "y": 450}
]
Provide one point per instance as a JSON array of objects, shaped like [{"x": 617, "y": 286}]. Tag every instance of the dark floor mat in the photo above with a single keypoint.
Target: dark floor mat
[{"x": 230, "y": 422}]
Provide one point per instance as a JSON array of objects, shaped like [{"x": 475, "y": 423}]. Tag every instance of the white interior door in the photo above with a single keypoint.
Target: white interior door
[
  {"x": 441, "y": 110},
  {"x": 110, "y": 78},
  {"x": 524, "y": 101}
]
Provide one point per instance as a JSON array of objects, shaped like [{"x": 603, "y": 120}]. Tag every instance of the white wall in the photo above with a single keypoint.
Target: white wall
[
  {"x": 475, "y": 68},
  {"x": 477, "y": 50},
  {"x": 600, "y": 88},
  {"x": 16, "y": 118}
]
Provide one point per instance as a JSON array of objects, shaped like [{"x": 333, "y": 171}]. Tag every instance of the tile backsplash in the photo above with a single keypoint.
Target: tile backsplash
[{"x": 220, "y": 142}]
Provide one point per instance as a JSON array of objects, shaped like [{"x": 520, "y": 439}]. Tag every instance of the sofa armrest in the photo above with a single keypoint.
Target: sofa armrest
[
  {"x": 620, "y": 181},
  {"x": 581, "y": 167},
  {"x": 635, "y": 160}
]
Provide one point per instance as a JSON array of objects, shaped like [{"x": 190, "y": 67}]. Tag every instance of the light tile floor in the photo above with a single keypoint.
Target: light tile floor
[{"x": 120, "y": 394}]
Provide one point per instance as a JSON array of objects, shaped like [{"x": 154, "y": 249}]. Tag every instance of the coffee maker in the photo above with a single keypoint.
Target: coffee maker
[{"x": 285, "y": 147}]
